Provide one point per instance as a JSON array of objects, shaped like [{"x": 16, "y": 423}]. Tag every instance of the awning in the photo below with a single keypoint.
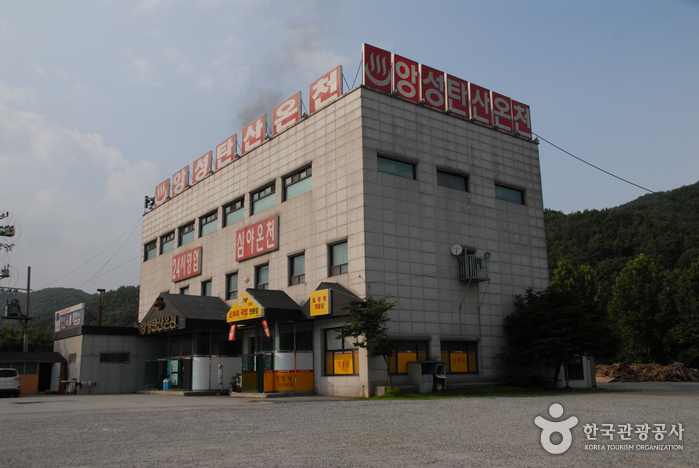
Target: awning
[
  {"x": 172, "y": 312},
  {"x": 254, "y": 305},
  {"x": 338, "y": 295}
]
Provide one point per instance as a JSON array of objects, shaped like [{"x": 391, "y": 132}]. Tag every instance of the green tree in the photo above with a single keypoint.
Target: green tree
[
  {"x": 685, "y": 333},
  {"x": 554, "y": 325},
  {"x": 12, "y": 339},
  {"x": 643, "y": 308},
  {"x": 366, "y": 323}
]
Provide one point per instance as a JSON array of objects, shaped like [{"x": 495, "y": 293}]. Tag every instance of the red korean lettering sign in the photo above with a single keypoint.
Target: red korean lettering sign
[
  {"x": 225, "y": 152},
  {"x": 254, "y": 134},
  {"x": 201, "y": 168},
  {"x": 162, "y": 192},
  {"x": 406, "y": 78},
  {"x": 257, "y": 239},
  {"x": 480, "y": 105},
  {"x": 186, "y": 265},
  {"x": 325, "y": 89},
  {"x": 377, "y": 68},
  {"x": 266, "y": 327},
  {"x": 231, "y": 333},
  {"x": 502, "y": 112},
  {"x": 180, "y": 181},
  {"x": 522, "y": 119},
  {"x": 457, "y": 96},
  {"x": 432, "y": 87},
  {"x": 286, "y": 114}
]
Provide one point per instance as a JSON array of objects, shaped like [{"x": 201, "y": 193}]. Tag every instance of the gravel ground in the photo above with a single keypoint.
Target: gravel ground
[{"x": 163, "y": 430}]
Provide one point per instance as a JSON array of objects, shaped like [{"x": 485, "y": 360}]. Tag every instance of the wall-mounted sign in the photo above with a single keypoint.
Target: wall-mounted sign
[
  {"x": 180, "y": 181},
  {"x": 70, "y": 317},
  {"x": 245, "y": 308},
  {"x": 225, "y": 152},
  {"x": 502, "y": 112},
  {"x": 257, "y": 239},
  {"x": 286, "y": 114},
  {"x": 406, "y": 78},
  {"x": 186, "y": 265},
  {"x": 321, "y": 302},
  {"x": 254, "y": 134},
  {"x": 457, "y": 97},
  {"x": 201, "y": 167},
  {"x": 432, "y": 87},
  {"x": 162, "y": 192},
  {"x": 158, "y": 325},
  {"x": 325, "y": 89},
  {"x": 522, "y": 119},
  {"x": 377, "y": 68}
]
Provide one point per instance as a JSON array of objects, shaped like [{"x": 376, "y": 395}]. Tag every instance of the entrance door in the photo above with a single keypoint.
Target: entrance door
[{"x": 258, "y": 373}]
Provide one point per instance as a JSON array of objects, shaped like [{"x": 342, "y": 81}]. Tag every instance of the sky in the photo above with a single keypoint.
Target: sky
[{"x": 101, "y": 100}]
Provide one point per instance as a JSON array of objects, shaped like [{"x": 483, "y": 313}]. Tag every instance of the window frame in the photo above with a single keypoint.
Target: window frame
[
  {"x": 148, "y": 248},
  {"x": 184, "y": 290},
  {"x": 472, "y": 347},
  {"x": 255, "y": 197},
  {"x": 258, "y": 269},
  {"x": 229, "y": 276},
  {"x": 398, "y": 162},
  {"x": 296, "y": 277},
  {"x": 182, "y": 232},
  {"x": 207, "y": 220},
  {"x": 401, "y": 347},
  {"x": 164, "y": 242},
  {"x": 295, "y": 178},
  {"x": 506, "y": 189},
  {"x": 331, "y": 260},
  {"x": 227, "y": 211},
  {"x": 207, "y": 284},
  {"x": 451, "y": 174}
]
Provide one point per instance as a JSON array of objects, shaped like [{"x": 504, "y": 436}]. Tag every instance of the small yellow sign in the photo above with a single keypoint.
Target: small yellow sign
[
  {"x": 320, "y": 302},
  {"x": 245, "y": 308},
  {"x": 344, "y": 363}
]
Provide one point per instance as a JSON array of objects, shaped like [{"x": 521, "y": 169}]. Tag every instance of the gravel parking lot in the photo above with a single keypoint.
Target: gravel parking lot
[{"x": 163, "y": 430}]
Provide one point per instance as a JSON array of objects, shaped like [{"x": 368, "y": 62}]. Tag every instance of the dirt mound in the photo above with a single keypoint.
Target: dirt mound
[{"x": 625, "y": 372}]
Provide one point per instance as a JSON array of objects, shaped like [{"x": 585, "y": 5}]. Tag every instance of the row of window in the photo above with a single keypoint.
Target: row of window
[
  {"x": 337, "y": 265},
  {"x": 261, "y": 199},
  {"x": 341, "y": 355},
  {"x": 445, "y": 178}
]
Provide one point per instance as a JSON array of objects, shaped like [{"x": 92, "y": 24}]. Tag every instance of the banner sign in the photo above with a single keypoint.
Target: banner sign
[
  {"x": 225, "y": 152},
  {"x": 180, "y": 181},
  {"x": 71, "y": 317},
  {"x": 406, "y": 78},
  {"x": 321, "y": 302},
  {"x": 231, "y": 334},
  {"x": 257, "y": 239},
  {"x": 162, "y": 192},
  {"x": 286, "y": 114},
  {"x": 325, "y": 89},
  {"x": 186, "y": 265},
  {"x": 432, "y": 88},
  {"x": 245, "y": 308},
  {"x": 377, "y": 68},
  {"x": 266, "y": 327},
  {"x": 254, "y": 134},
  {"x": 201, "y": 168}
]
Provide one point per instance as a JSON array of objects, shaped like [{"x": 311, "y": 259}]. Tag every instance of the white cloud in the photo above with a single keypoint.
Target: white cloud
[
  {"x": 142, "y": 70},
  {"x": 18, "y": 95}
]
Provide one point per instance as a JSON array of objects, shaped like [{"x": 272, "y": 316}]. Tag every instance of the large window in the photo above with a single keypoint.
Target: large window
[
  {"x": 150, "y": 251},
  {"x": 208, "y": 223},
  {"x": 186, "y": 234},
  {"x": 262, "y": 276},
  {"x": 297, "y": 183},
  {"x": 460, "y": 357},
  {"x": 263, "y": 199},
  {"x": 405, "y": 352},
  {"x": 455, "y": 181},
  {"x": 338, "y": 258},
  {"x": 297, "y": 269},
  {"x": 232, "y": 286},
  {"x": 509, "y": 194},
  {"x": 340, "y": 354},
  {"x": 233, "y": 212},
  {"x": 167, "y": 242},
  {"x": 395, "y": 167}
]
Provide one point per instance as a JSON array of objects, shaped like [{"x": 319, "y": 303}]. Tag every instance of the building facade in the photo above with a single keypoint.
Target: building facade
[{"x": 377, "y": 195}]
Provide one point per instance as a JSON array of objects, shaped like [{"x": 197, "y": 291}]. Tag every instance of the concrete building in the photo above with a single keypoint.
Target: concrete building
[{"x": 370, "y": 195}]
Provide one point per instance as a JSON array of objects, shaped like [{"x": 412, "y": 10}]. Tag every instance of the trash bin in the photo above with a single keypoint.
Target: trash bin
[{"x": 166, "y": 385}]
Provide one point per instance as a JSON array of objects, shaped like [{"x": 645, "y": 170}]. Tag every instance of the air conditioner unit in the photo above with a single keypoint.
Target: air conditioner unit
[{"x": 473, "y": 268}]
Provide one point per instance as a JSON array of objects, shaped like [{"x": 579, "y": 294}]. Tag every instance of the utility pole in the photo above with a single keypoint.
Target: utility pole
[
  {"x": 25, "y": 348},
  {"x": 99, "y": 317}
]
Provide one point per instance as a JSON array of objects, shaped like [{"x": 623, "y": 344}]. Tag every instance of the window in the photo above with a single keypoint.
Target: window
[
  {"x": 455, "y": 181},
  {"x": 206, "y": 288},
  {"x": 72, "y": 358},
  {"x": 297, "y": 183},
  {"x": 186, "y": 233},
  {"x": 208, "y": 223},
  {"x": 233, "y": 212},
  {"x": 232, "y": 286},
  {"x": 575, "y": 369},
  {"x": 167, "y": 242},
  {"x": 297, "y": 269},
  {"x": 460, "y": 357},
  {"x": 338, "y": 259},
  {"x": 340, "y": 354},
  {"x": 184, "y": 291},
  {"x": 262, "y": 276},
  {"x": 509, "y": 194},
  {"x": 263, "y": 199},
  {"x": 115, "y": 357},
  {"x": 150, "y": 251},
  {"x": 405, "y": 352},
  {"x": 399, "y": 168}
]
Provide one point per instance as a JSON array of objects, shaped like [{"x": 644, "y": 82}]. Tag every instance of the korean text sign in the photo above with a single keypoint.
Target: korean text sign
[
  {"x": 257, "y": 239},
  {"x": 186, "y": 265},
  {"x": 245, "y": 308}
]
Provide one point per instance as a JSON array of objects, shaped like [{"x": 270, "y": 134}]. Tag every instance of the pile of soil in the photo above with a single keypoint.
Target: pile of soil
[{"x": 625, "y": 372}]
